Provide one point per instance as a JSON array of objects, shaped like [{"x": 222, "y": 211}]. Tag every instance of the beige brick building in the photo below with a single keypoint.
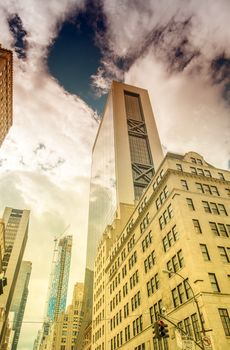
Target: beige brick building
[
  {"x": 64, "y": 331},
  {"x": 181, "y": 224},
  {"x": 6, "y": 93}
]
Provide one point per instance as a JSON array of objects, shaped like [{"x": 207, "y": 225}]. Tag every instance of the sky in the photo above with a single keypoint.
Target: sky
[{"x": 66, "y": 53}]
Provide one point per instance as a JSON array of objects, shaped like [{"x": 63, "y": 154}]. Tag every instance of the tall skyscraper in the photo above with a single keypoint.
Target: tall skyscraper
[
  {"x": 60, "y": 278},
  {"x": 58, "y": 287},
  {"x": 170, "y": 262},
  {"x": 19, "y": 300},
  {"x": 6, "y": 92},
  {"x": 16, "y": 233},
  {"x": 125, "y": 155}
]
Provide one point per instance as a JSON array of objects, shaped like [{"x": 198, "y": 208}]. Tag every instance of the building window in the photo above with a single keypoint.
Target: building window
[
  {"x": 152, "y": 285},
  {"x": 196, "y": 225},
  {"x": 137, "y": 326},
  {"x": 136, "y": 300},
  {"x": 225, "y": 320},
  {"x": 221, "y": 176},
  {"x": 179, "y": 167},
  {"x": 218, "y": 209},
  {"x": 214, "y": 283},
  {"x": 134, "y": 279},
  {"x": 224, "y": 254},
  {"x": 155, "y": 310},
  {"x": 181, "y": 293},
  {"x": 220, "y": 229},
  {"x": 188, "y": 326},
  {"x": 150, "y": 261},
  {"x": 204, "y": 251},
  {"x": 144, "y": 223},
  {"x": 184, "y": 184},
  {"x": 162, "y": 197},
  {"x": 176, "y": 263},
  {"x": 190, "y": 203},
  {"x": 127, "y": 333},
  {"x": 204, "y": 188},
  {"x": 132, "y": 260},
  {"x": 195, "y": 325},
  {"x": 171, "y": 237},
  {"x": 147, "y": 241},
  {"x": 140, "y": 347},
  {"x": 126, "y": 310},
  {"x": 165, "y": 218}
]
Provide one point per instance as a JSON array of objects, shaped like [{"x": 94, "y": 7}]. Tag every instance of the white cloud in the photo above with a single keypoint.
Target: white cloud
[{"x": 53, "y": 180}]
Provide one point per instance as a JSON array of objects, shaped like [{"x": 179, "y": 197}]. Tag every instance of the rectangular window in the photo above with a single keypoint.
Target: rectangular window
[
  {"x": 204, "y": 251},
  {"x": 147, "y": 241},
  {"x": 199, "y": 187},
  {"x": 195, "y": 325},
  {"x": 206, "y": 207},
  {"x": 188, "y": 326},
  {"x": 224, "y": 254},
  {"x": 222, "y": 209},
  {"x": 179, "y": 167},
  {"x": 225, "y": 320},
  {"x": 196, "y": 225},
  {"x": 184, "y": 184},
  {"x": 214, "y": 283},
  {"x": 190, "y": 203}
]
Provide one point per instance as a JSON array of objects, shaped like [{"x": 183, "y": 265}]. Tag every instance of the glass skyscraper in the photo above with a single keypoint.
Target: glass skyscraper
[
  {"x": 16, "y": 223},
  {"x": 60, "y": 278},
  {"x": 126, "y": 152},
  {"x": 19, "y": 300}
]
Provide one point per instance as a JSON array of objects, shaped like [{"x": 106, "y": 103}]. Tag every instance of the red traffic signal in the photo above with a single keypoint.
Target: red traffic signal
[{"x": 163, "y": 329}]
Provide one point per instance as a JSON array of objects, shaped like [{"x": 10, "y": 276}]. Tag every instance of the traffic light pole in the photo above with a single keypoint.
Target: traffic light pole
[
  {"x": 181, "y": 330},
  {"x": 196, "y": 302}
]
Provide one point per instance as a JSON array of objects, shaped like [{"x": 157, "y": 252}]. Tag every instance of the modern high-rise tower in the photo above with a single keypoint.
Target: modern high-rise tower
[
  {"x": 125, "y": 155},
  {"x": 16, "y": 232},
  {"x": 6, "y": 94},
  {"x": 19, "y": 300},
  {"x": 60, "y": 279},
  {"x": 58, "y": 287}
]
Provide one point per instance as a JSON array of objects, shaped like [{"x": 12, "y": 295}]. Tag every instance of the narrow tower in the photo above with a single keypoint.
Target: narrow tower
[{"x": 126, "y": 152}]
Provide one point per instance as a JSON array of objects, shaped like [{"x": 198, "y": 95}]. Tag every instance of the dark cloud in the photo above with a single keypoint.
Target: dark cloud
[
  {"x": 50, "y": 166},
  {"x": 39, "y": 147},
  {"x": 19, "y": 33},
  {"x": 220, "y": 74}
]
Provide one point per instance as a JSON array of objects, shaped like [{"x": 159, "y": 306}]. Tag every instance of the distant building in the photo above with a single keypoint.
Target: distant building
[
  {"x": 59, "y": 285},
  {"x": 2, "y": 244},
  {"x": 19, "y": 300},
  {"x": 67, "y": 326},
  {"x": 180, "y": 225},
  {"x": 126, "y": 154},
  {"x": 58, "y": 288},
  {"x": 16, "y": 223},
  {"x": 6, "y": 92}
]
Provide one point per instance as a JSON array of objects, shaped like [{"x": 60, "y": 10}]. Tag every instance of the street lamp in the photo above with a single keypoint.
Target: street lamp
[{"x": 194, "y": 298}]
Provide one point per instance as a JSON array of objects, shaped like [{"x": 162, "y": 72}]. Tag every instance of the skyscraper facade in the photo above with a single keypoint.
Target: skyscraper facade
[
  {"x": 126, "y": 152},
  {"x": 59, "y": 285},
  {"x": 16, "y": 223},
  {"x": 6, "y": 92},
  {"x": 66, "y": 328},
  {"x": 170, "y": 262},
  {"x": 19, "y": 300}
]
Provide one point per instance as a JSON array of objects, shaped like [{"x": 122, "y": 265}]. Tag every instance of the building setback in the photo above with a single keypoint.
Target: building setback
[
  {"x": 16, "y": 223},
  {"x": 19, "y": 300},
  {"x": 6, "y": 92},
  {"x": 181, "y": 224},
  {"x": 126, "y": 153}
]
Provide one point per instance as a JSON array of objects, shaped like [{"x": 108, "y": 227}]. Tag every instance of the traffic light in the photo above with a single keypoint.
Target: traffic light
[
  {"x": 163, "y": 329},
  {"x": 155, "y": 328}
]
